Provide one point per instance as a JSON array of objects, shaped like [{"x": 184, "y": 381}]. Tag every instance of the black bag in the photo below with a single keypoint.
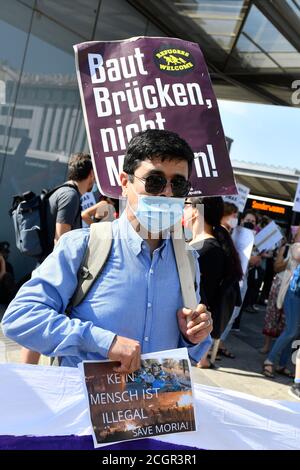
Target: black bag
[{"x": 29, "y": 212}]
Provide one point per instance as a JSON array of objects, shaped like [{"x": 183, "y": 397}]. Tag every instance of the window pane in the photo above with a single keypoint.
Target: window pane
[
  {"x": 261, "y": 45},
  {"x": 218, "y": 19},
  {"x": 295, "y": 5},
  {"x": 153, "y": 30},
  {"x": 49, "y": 93},
  {"x": 47, "y": 124},
  {"x": 62, "y": 11},
  {"x": 119, "y": 20},
  {"x": 15, "y": 19},
  {"x": 261, "y": 30},
  {"x": 12, "y": 47}
]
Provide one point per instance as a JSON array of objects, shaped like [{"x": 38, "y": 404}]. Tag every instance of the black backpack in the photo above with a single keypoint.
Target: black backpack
[{"x": 29, "y": 214}]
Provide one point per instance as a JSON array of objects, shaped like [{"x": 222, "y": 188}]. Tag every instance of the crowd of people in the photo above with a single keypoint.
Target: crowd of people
[{"x": 121, "y": 315}]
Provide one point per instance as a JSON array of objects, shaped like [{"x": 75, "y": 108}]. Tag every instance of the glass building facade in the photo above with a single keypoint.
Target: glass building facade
[
  {"x": 252, "y": 49},
  {"x": 41, "y": 121}
]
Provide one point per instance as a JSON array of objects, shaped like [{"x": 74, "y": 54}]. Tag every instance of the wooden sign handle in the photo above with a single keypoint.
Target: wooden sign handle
[{"x": 187, "y": 281}]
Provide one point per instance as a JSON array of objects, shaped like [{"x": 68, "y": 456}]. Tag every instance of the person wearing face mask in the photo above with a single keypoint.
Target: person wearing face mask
[
  {"x": 249, "y": 220},
  {"x": 135, "y": 305},
  {"x": 230, "y": 216}
]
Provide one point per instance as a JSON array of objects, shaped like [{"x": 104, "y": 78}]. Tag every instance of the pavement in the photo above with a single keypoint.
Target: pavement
[{"x": 244, "y": 373}]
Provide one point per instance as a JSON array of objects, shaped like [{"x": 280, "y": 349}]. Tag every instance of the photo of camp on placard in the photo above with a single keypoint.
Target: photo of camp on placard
[{"x": 157, "y": 399}]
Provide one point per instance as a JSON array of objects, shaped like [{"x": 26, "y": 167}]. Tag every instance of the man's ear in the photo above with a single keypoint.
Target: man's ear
[{"x": 124, "y": 178}]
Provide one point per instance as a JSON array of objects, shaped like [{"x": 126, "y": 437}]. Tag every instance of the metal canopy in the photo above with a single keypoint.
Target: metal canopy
[
  {"x": 252, "y": 47},
  {"x": 267, "y": 181}
]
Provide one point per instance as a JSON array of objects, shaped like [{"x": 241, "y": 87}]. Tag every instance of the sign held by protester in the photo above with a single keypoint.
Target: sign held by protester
[
  {"x": 243, "y": 240},
  {"x": 154, "y": 400},
  {"x": 268, "y": 237},
  {"x": 159, "y": 83},
  {"x": 296, "y": 207},
  {"x": 239, "y": 199},
  {"x": 87, "y": 200}
]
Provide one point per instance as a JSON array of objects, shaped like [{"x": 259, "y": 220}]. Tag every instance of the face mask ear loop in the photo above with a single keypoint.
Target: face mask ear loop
[{"x": 132, "y": 210}]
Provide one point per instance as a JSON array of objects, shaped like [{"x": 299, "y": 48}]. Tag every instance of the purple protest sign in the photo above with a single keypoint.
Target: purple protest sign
[{"x": 129, "y": 86}]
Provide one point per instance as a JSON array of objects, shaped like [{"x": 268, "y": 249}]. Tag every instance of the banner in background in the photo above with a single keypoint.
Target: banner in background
[
  {"x": 154, "y": 400},
  {"x": 45, "y": 408},
  {"x": 159, "y": 83}
]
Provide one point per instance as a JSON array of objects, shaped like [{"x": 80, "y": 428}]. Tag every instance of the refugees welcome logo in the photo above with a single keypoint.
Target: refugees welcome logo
[{"x": 174, "y": 61}]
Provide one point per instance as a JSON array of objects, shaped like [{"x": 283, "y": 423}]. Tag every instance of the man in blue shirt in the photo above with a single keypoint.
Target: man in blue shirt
[{"x": 135, "y": 305}]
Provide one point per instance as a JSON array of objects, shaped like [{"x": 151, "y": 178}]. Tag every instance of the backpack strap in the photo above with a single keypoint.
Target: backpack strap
[
  {"x": 94, "y": 259},
  {"x": 46, "y": 244},
  {"x": 47, "y": 194}
]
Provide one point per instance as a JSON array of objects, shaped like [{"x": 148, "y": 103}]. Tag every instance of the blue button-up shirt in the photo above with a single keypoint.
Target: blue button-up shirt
[{"x": 136, "y": 296}]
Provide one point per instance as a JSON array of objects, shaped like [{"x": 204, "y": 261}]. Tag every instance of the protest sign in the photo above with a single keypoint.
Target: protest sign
[
  {"x": 268, "y": 237},
  {"x": 296, "y": 207},
  {"x": 158, "y": 83},
  {"x": 239, "y": 199},
  {"x": 156, "y": 399},
  {"x": 243, "y": 240},
  {"x": 87, "y": 200}
]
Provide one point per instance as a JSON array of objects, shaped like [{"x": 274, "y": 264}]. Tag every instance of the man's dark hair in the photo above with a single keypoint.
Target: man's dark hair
[
  {"x": 156, "y": 143},
  {"x": 79, "y": 166}
]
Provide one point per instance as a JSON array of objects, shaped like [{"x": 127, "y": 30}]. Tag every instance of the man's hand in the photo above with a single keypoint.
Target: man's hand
[
  {"x": 127, "y": 352},
  {"x": 198, "y": 326}
]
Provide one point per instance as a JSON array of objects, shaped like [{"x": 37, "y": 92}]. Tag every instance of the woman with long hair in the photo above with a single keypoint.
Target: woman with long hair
[{"x": 219, "y": 261}]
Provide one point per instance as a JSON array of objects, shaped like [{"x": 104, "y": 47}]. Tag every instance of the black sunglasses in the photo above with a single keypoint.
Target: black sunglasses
[{"x": 155, "y": 184}]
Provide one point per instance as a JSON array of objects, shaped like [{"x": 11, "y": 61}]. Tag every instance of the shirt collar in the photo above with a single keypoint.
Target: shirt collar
[{"x": 135, "y": 241}]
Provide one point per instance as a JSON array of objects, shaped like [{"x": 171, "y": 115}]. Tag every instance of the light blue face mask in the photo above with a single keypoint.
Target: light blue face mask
[
  {"x": 94, "y": 188},
  {"x": 159, "y": 213}
]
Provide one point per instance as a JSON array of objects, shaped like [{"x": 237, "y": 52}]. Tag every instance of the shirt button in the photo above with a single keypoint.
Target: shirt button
[
  {"x": 149, "y": 304},
  {"x": 146, "y": 338},
  {"x": 151, "y": 271}
]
